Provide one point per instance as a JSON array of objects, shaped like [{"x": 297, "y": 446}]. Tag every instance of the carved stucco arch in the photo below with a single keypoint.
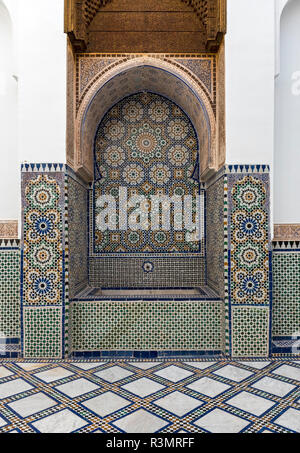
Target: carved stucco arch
[{"x": 145, "y": 74}]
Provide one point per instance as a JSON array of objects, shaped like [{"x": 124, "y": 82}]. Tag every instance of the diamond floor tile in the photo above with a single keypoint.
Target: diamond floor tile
[
  {"x": 174, "y": 373},
  {"x": 4, "y": 372},
  {"x": 64, "y": 421},
  {"x": 178, "y": 403},
  {"x": 143, "y": 387},
  {"x": 233, "y": 373},
  {"x": 27, "y": 366},
  {"x": 106, "y": 404},
  {"x": 288, "y": 371},
  {"x": 144, "y": 365},
  {"x": 209, "y": 387},
  {"x": 32, "y": 404},
  {"x": 273, "y": 386},
  {"x": 140, "y": 421},
  {"x": 200, "y": 365},
  {"x": 113, "y": 374},
  {"x": 14, "y": 387},
  {"x": 54, "y": 374},
  {"x": 87, "y": 366},
  {"x": 289, "y": 419},
  {"x": 77, "y": 387},
  {"x": 256, "y": 365},
  {"x": 253, "y": 404},
  {"x": 2, "y": 422},
  {"x": 149, "y": 396},
  {"x": 219, "y": 421}
]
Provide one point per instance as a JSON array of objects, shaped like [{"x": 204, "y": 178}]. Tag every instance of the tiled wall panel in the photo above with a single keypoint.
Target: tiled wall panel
[
  {"x": 286, "y": 291},
  {"x": 247, "y": 290},
  {"x": 10, "y": 323},
  {"x": 250, "y": 331},
  {"x": 44, "y": 290},
  {"x": 131, "y": 272},
  {"x": 147, "y": 325}
]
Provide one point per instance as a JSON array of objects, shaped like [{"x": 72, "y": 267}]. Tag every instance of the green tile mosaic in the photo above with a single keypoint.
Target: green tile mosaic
[
  {"x": 250, "y": 331},
  {"x": 286, "y": 293},
  {"x": 249, "y": 239},
  {"x": 42, "y": 332},
  {"x": 143, "y": 325},
  {"x": 9, "y": 293}
]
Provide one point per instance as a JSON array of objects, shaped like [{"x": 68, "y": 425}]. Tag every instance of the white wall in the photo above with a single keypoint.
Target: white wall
[
  {"x": 42, "y": 81},
  {"x": 38, "y": 60},
  {"x": 9, "y": 187},
  {"x": 287, "y": 119},
  {"x": 250, "y": 66},
  {"x": 249, "y": 81}
]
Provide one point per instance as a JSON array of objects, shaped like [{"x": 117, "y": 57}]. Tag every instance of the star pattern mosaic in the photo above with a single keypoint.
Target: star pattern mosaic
[
  {"x": 192, "y": 396},
  {"x": 147, "y": 145}
]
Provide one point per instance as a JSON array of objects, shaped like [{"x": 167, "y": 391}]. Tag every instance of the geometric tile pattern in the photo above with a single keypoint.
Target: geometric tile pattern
[
  {"x": 147, "y": 325},
  {"x": 128, "y": 272},
  {"x": 249, "y": 239},
  {"x": 250, "y": 331},
  {"x": 42, "y": 242},
  {"x": 44, "y": 293},
  {"x": 42, "y": 332},
  {"x": 247, "y": 292},
  {"x": 286, "y": 293},
  {"x": 147, "y": 145},
  {"x": 80, "y": 400},
  {"x": 9, "y": 294}
]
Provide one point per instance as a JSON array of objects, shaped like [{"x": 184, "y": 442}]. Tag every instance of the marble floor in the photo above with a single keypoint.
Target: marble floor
[{"x": 193, "y": 396}]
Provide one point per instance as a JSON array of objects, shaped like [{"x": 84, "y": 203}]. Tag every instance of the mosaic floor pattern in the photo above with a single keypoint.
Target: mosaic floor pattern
[{"x": 142, "y": 396}]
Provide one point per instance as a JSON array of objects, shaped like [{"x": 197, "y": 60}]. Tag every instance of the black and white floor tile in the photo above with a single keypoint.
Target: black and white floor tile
[{"x": 149, "y": 397}]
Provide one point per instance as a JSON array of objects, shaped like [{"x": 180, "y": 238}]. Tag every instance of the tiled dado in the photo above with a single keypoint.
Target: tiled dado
[
  {"x": 286, "y": 295},
  {"x": 52, "y": 199},
  {"x": 147, "y": 326},
  {"x": 9, "y": 298},
  {"x": 44, "y": 261},
  {"x": 247, "y": 294}
]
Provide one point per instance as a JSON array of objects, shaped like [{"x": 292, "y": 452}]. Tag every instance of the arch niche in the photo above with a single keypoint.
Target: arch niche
[{"x": 156, "y": 76}]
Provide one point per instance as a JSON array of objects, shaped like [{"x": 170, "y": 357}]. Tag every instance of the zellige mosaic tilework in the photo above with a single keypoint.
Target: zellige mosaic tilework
[
  {"x": 44, "y": 298},
  {"x": 10, "y": 323},
  {"x": 286, "y": 295},
  {"x": 186, "y": 396},
  {"x": 147, "y": 325},
  {"x": 147, "y": 145}
]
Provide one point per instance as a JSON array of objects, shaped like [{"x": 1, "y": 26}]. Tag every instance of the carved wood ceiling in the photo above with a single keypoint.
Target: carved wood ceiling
[{"x": 79, "y": 15}]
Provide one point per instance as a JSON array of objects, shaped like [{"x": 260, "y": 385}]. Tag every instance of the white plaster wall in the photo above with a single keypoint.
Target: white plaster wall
[
  {"x": 250, "y": 81},
  {"x": 42, "y": 81},
  {"x": 287, "y": 118},
  {"x": 250, "y": 67},
  {"x": 38, "y": 60},
  {"x": 9, "y": 187}
]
